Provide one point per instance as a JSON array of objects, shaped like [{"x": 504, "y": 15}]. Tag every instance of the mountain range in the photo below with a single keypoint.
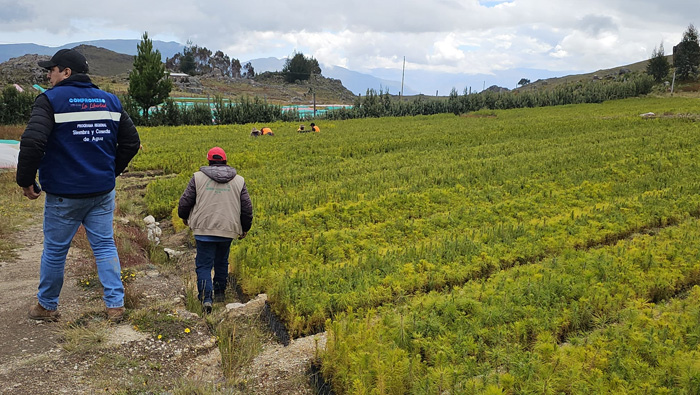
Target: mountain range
[{"x": 386, "y": 80}]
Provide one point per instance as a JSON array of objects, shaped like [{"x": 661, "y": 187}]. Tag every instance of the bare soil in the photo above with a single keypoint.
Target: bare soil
[{"x": 45, "y": 358}]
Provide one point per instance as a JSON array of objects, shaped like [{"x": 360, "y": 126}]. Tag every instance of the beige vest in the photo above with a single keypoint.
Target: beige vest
[{"x": 217, "y": 210}]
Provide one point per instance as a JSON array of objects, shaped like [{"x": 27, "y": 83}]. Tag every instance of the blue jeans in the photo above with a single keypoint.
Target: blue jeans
[
  {"x": 211, "y": 255},
  {"x": 62, "y": 218}
]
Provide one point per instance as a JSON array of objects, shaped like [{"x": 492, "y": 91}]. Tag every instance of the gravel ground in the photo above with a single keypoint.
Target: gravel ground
[{"x": 39, "y": 358}]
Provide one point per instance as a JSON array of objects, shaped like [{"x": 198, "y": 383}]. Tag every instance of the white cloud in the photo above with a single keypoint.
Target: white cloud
[
  {"x": 446, "y": 35},
  {"x": 559, "y": 52},
  {"x": 447, "y": 50}
]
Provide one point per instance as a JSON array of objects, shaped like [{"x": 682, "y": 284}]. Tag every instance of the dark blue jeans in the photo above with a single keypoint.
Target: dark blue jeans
[{"x": 211, "y": 255}]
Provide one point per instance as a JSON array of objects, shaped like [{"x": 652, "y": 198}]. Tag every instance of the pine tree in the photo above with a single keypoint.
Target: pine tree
[
  {"x": 687, "y": 55},
  {"x": 187, "y": 63},
  {"x": 658, "y": 66},
  {"x": 299, "y": 67},
  {"x": 148, "y": 82}
]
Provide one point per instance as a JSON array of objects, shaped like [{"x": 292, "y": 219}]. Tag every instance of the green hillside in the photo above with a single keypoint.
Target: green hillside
[{"x": 587, "y": 77}]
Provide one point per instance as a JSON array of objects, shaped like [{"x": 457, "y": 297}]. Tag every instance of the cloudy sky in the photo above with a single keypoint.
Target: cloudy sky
[{"x": 447, "y": 36}]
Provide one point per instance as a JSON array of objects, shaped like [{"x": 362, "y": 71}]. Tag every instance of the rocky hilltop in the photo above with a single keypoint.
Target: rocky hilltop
[{"x": 23, "y": 70}]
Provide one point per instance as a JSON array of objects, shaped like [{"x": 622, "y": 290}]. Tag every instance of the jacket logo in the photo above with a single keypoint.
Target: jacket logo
[{"x": 86, "y": 100}]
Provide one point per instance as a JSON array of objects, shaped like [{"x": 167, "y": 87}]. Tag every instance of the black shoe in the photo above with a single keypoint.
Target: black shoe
[{"x": 206, "y": 307}]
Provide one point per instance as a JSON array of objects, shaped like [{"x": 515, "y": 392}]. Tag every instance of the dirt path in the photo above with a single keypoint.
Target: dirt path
[
  {"x": 25, "y": 341},
  {"x": 35, "y": 358},
  {"x": 18, "y": 284}
]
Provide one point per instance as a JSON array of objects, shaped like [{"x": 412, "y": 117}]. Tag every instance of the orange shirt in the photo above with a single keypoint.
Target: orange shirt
[
  {"x": 266, "y": 131},
  {"x": 315, "y": 129}
]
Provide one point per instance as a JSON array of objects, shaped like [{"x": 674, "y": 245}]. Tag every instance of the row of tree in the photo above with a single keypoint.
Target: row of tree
[
  {"x": 381, "y": 104},
  {"x": 195, "y": 60},
  {"x": 172, "y": 113},
  {"x": 631, "y": 85}
]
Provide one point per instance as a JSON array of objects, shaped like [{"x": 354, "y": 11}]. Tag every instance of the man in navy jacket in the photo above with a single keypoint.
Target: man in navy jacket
[{"x": 79, "y": 139}]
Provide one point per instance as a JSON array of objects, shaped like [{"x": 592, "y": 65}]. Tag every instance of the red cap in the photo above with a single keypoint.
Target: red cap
[{"x": 216, "y": 151}]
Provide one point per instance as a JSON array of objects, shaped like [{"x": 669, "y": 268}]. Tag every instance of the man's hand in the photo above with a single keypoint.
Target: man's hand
[
  {"x": 242, "y": 235},
  {"x": 29, "y": 192}
]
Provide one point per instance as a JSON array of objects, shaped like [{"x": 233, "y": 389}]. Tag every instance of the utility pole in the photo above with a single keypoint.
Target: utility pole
[
  {"x": 673, "y": 82},
  {"x": 313, "y": 91},
  {"x": 403, "y": 73}
]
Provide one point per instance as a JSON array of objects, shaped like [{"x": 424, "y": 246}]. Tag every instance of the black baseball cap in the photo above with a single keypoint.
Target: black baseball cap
[{"x": 70, "y": 58}]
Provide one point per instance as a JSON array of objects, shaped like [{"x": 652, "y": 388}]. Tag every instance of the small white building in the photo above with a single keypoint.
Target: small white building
[{"x": 179, "y": 77}]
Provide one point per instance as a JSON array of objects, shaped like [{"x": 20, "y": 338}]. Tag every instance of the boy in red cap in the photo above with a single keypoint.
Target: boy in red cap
[{"x": 217, "y": 207}]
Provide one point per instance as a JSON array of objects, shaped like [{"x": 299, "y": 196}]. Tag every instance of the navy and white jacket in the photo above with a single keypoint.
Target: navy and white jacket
[{"x": 79, "y": 139}]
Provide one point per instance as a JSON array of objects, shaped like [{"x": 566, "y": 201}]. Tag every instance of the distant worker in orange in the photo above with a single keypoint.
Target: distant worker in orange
[
  {"x": 315, "y": 128},
  {"x": 267, "y": 131}
]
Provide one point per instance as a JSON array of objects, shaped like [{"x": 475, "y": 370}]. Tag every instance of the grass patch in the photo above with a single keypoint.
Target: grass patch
[
  {"x": 239, "y": 340},
  {"x": 78, "y": 338},
  {"x": 15, "y": 211},
  {"x": 11, "y": 132},
  {"x": 132, "y": 298},
  {"x": 132, "y": 245},
  {"x": 162, "y": 321},
  {"x": 192, "y": 302},
  {"x": 191, "y": 387},
  {"x": 8, "y": 250},
  {"x": 129, "y": 199},
  {"x": 157, "y": 256}
]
